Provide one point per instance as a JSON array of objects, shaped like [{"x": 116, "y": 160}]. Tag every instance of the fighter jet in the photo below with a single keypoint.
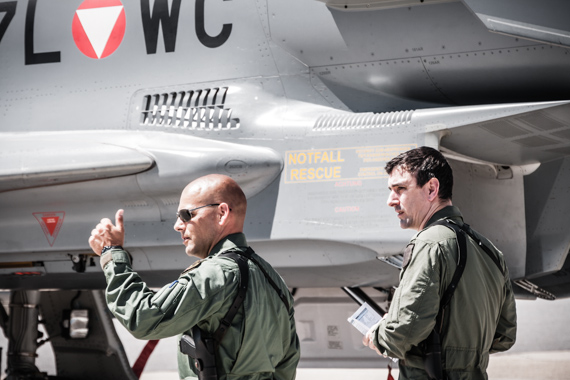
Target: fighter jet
[{"x": 114, "y": 104}]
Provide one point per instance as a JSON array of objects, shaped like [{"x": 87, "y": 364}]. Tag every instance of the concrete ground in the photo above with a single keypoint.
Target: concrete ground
[{"x": 553, "y": 365}]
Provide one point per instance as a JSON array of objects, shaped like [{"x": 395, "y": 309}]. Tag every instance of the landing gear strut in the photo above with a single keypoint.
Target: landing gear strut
[{"x": 23, "y": 336}]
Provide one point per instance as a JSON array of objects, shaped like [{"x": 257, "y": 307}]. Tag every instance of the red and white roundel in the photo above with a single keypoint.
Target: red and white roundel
[{"x": 98, "y": 27}]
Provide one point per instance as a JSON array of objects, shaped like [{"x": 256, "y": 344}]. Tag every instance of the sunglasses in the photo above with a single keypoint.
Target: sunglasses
[{"x": 186, "y": 215}]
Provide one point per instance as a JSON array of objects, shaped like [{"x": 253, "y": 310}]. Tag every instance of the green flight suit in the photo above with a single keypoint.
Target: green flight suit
[
  {"x": 480, "y": 319},
  {"x": 261, "y": 342}
]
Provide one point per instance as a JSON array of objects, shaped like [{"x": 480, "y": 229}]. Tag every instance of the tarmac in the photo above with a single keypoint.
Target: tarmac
[{"x": 552, "y": 365}]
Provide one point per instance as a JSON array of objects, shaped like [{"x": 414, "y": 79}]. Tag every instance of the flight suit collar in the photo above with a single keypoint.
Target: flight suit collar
[
  {"x": 229, "y": 242},
  {"x": 451, "y": 212}
]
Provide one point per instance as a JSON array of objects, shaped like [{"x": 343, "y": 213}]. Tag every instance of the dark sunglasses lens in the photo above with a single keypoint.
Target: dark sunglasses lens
[{"x": 185, "y": 215}]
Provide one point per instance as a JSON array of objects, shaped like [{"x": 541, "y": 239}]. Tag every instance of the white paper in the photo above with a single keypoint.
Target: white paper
[{"x": 364, "y": 318}]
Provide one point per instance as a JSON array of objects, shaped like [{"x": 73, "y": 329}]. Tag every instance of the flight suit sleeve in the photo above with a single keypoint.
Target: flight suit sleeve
[
  {"x": 506, "y": 332},
  {"x": 415, "y": 305},
  {"x": 172, "y": 310}
]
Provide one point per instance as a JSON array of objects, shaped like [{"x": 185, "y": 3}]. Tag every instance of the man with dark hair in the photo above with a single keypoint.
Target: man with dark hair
[
  {"x": 425, "y": 163},
  {"x": 455, "y": 304},
  {"x": 254, "y": 338}
]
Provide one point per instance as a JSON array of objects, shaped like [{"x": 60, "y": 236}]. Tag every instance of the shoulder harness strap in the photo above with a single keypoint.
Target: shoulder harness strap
[
  {"x": 240, "y": 297},
  {"x": 248, "y": 253},
  {"x": 460, "y": 232},
  {"x": 465, "y": 228},
  {"x": 241, "y": 259},
  {"x": 461, "y": 261}
]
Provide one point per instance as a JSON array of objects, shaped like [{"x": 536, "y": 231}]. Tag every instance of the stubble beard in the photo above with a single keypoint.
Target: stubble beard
[{"x": 406, "y": 223}]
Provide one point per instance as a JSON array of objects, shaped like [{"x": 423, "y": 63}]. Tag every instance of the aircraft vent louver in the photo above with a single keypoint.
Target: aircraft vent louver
[
  {"x": 139, "y": 203},
  {"x": 194, "y": 110},
  {"x": 363, "y": 120}
]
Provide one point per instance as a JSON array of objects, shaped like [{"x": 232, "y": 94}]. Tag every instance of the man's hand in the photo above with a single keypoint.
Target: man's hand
[
  {"x": 368, "y": 340},
  {"x": 105, "y": 233}
]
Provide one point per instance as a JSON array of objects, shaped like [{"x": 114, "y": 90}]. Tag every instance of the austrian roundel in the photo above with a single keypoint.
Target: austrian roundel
[{"x": 98, "y": 27}]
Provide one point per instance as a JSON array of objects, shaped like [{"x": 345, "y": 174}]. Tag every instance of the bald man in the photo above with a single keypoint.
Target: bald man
[{"x": 261, "y": 341}]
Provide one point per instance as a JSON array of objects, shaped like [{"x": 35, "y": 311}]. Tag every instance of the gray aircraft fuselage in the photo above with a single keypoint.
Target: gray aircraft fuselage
[
  {"x": 119, "y": 104},
  {"x": 301, "y": 103}
]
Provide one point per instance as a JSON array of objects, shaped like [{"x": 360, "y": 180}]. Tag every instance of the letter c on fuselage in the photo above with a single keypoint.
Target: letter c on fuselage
[{"x": 205, "y": 38}]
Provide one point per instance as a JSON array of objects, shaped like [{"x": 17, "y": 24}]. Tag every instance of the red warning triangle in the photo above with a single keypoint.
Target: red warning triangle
[{"x": 50, "y": 222}]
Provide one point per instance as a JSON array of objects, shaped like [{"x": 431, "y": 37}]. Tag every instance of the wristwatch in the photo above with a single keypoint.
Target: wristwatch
[{"x": 109, "y": 247}]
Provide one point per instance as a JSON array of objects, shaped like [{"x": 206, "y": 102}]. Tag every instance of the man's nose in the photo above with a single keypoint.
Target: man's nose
[
  {"x": 178, "y": 225},
  {"x": 392, "y": 199}
]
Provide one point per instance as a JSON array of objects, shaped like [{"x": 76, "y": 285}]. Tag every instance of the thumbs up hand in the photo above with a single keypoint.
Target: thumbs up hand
[{"x": 105, "y": 233}]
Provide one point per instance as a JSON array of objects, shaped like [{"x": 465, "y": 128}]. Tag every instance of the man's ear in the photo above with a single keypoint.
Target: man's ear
[
  {"x": 432, "y": 189},
  {"x": 223, "y": 212}
]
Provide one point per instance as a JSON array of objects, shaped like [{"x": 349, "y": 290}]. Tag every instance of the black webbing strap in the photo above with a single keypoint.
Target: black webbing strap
[
  {"x": 460, "y": 231},
  {"x": 465, "y": 228},
  {"x": 461, "y": 260},
  {"x": 432, "y": 344},
  {"x": 241, "y": 259},
  {"x": 248, "y": 254},
  {"x": 240, "y": 297}
]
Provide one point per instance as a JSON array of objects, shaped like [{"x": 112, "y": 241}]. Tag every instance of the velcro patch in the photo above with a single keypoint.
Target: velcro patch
[
  {"x": 195, "y": 264},
  {"x": 407, "y": 255}
]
